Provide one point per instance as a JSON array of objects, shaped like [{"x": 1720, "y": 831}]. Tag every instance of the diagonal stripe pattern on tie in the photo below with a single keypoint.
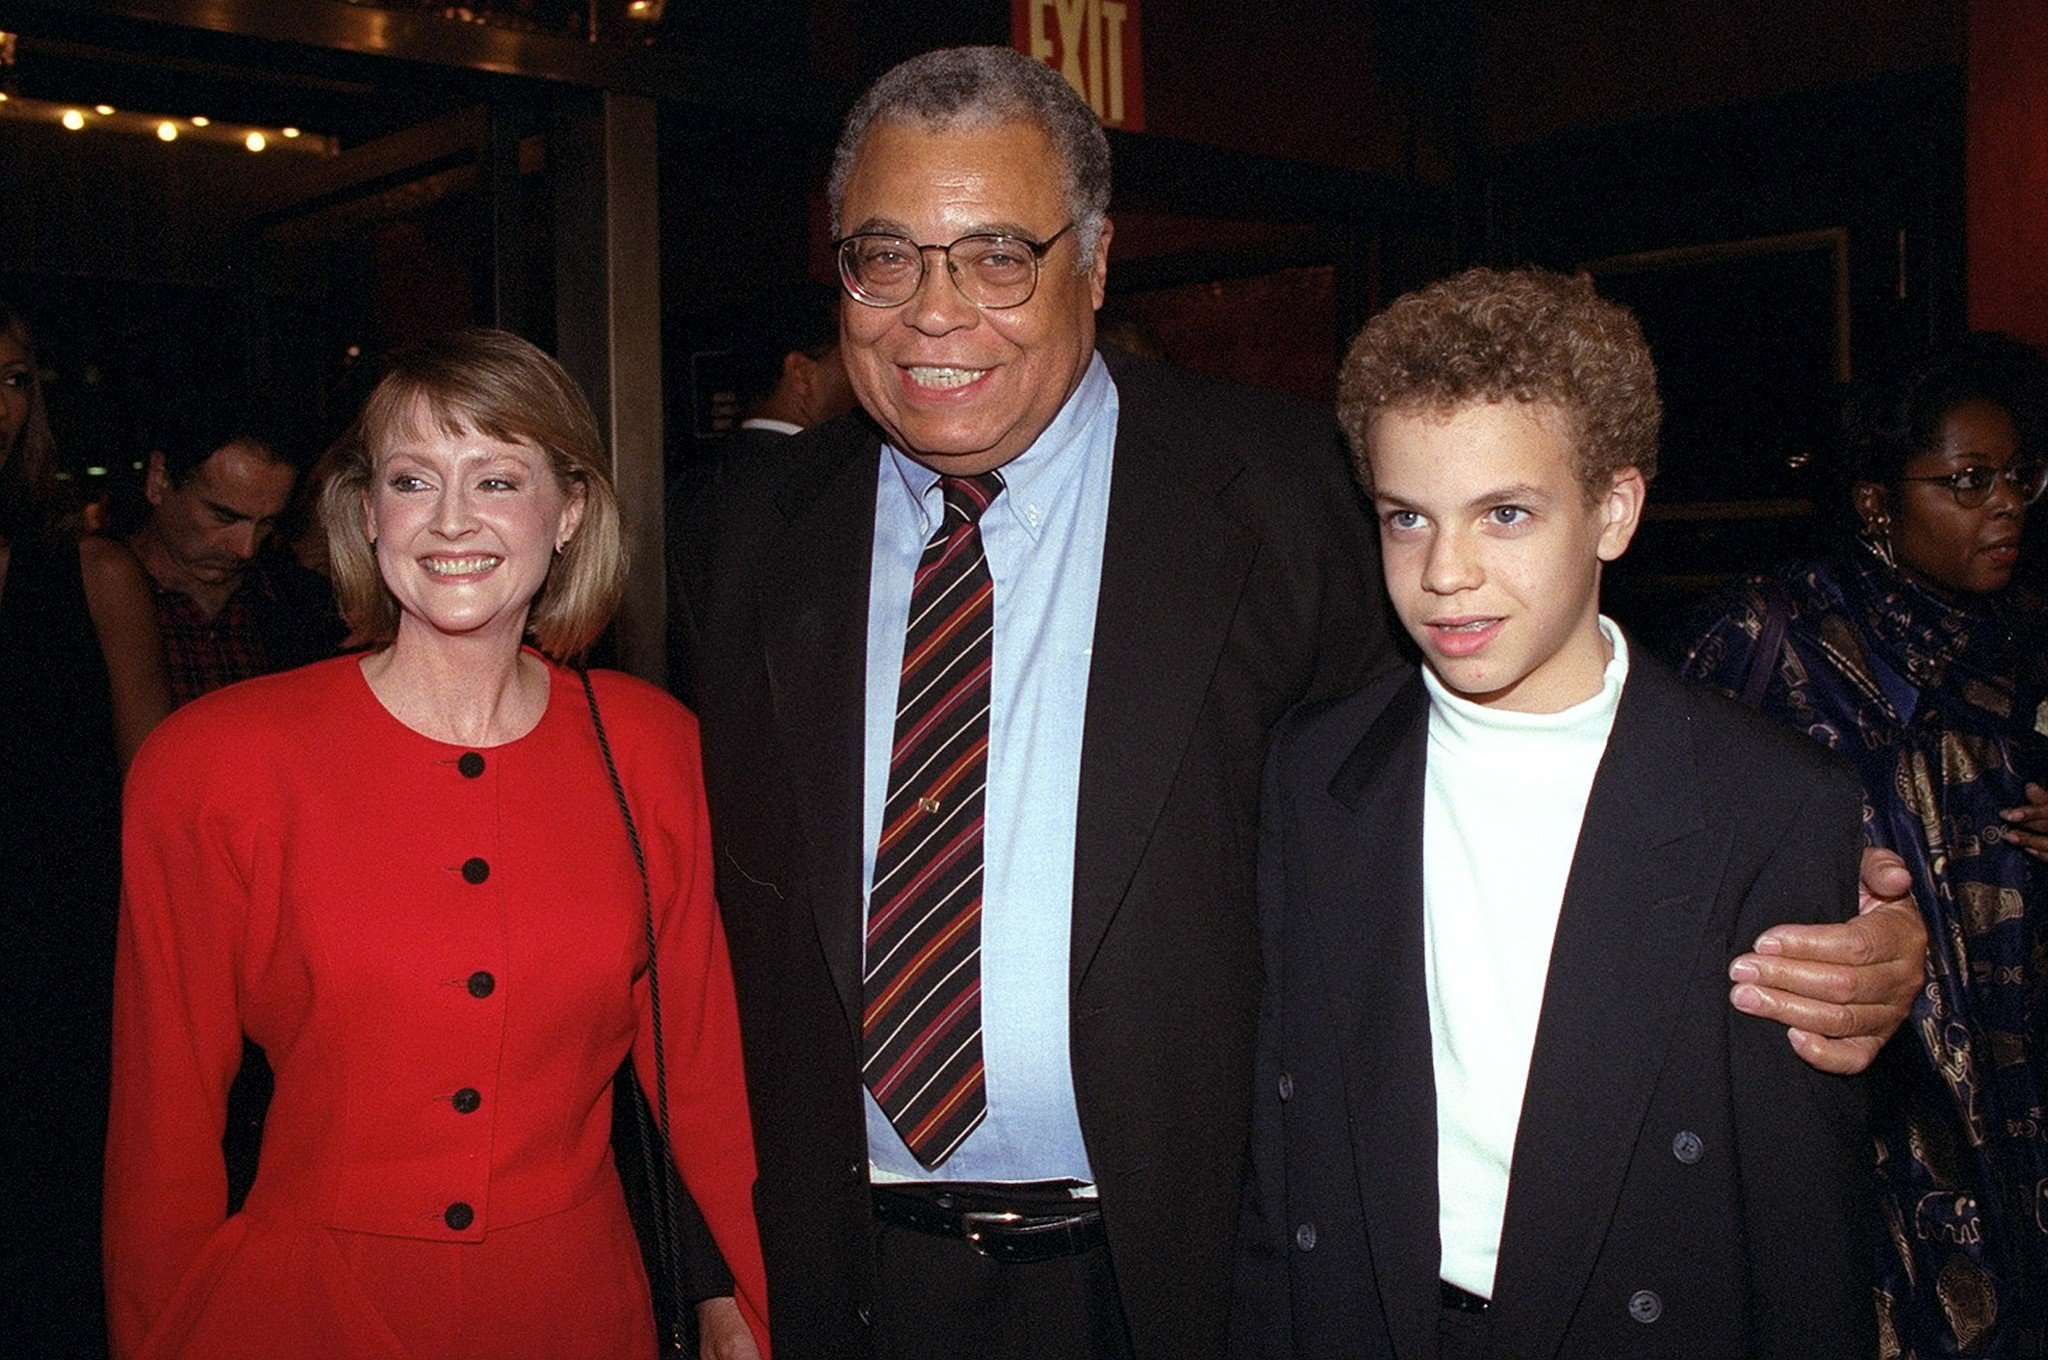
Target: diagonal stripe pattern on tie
[{"x": 921, "y": 1021}]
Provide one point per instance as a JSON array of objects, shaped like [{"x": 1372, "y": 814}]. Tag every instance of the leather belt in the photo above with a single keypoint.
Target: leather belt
[
  {"x": 1460, "y": 1300},
  {"x": 1008, "y": 1228}
]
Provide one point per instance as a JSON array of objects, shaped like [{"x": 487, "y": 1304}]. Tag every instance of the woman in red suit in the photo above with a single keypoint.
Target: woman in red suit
[{"x": 406, "y": 875}]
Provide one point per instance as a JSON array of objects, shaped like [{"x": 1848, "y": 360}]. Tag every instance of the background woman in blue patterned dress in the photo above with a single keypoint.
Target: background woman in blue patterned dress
[{"x": 1911, "y": 652}]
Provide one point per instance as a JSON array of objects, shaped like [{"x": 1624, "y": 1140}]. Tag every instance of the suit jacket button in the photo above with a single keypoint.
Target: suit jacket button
[
  {"x": 1645, "y": 1306},
  {"x": 475, "y": 869},
  {"x": 1305, "y": 1237},
  {"x": 866, "y": 1318},
  {"x": 481, "y": 984},
  {"x": 1687, "y": 1147},
  {"x": 459, "y": 1216},
  {"x": 470, "y": 763},
  {"x": 466, "y": 1100},
  {"x": 1287, "y": 1086}
]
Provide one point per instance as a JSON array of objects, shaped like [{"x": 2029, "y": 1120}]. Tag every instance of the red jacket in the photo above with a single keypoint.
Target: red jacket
[{"x": 441, "y": 952}]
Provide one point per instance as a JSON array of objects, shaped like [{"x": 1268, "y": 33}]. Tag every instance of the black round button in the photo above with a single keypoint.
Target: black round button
[
  {"x": 1644, "y": 1306},
  {"x": 459, "y": 1216},
  {"x": 482, "y": 984},
  {"x": 1687, "y": 1147},
  {"x": 1286, "y": 1086},
  {"x": 1305, "y": 1237},
  {"x": 466, "y": 1100},
  {"x": 475, "y": 869},
  {"x": 471, "y": 764}
]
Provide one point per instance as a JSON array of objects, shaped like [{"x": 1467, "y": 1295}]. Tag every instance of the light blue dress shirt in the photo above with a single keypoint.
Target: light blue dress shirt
[{"x": 1043, "y": 538}]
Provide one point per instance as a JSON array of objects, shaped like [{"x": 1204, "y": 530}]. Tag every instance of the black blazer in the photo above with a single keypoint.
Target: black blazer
[
  {"x": 1683, "y": 1185},
  {"x": 1237, "y": 578}
]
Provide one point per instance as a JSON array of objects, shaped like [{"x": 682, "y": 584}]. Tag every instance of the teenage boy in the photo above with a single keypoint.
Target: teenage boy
[{"x": 1503, "y": 1108}]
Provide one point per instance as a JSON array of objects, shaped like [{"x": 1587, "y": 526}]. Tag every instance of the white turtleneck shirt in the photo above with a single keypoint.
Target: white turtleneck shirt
[{"x": 1504, "y": 794}]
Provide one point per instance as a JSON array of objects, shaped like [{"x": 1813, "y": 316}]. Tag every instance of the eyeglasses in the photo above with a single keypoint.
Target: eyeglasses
[
  {"x": 993, "y": 271},
  {"x": 1972, "y": 486}
]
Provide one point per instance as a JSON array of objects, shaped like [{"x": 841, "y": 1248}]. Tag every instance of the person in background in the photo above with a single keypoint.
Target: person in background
[
  {"x": 1908, "y": 650},
  {"x": 81, "y": 684},
  {"x": 986, "y": 681},
  {"x": 217, "y": 481},
  {"x": 407, "y": 875},
  {"x": 787, "y": 366},
  {"x": 789, "y": 376}
]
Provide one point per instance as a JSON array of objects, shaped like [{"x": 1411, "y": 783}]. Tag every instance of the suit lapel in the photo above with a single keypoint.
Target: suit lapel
[
  {"x": 1172, "y": 565},
  {"x": 814, "y": 608},
  {"x": 1642, "y": 886},
  {"x": 1367, "y": 940}
]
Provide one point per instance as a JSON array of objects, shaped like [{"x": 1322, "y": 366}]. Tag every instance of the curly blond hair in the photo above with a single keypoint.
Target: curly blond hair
[{"x": 1526, "y": 335}]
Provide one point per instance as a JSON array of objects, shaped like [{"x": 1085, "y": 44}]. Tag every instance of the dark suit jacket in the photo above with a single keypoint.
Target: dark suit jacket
[
  {"x": 1683, "y": 1185},
  {"x": 1236, "y": 580}
]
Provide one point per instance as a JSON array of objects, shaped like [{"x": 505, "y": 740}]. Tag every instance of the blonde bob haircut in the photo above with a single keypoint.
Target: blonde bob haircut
[{"x": 492, "y": 383}]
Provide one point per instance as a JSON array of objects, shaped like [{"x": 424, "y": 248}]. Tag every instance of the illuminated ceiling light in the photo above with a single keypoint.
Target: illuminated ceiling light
[
  {"x": 255, "y": 141},
  {"x": 3, "y": 96},
  {"x": 73, "y": 119},
  {"x": 647, "y": 10},
  {"x": 201, "y": 121},
  {"x": 289, "y": 132},
  {"x": 95, "y": 472},
  {"x": 104, "y": 110},
  {"x": 167, "y": 131}
]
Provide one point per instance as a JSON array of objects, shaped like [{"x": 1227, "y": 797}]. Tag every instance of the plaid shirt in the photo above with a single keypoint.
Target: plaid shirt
[
  {"x": 280, "y": 616},
  {"x": 203, "y": 654}
]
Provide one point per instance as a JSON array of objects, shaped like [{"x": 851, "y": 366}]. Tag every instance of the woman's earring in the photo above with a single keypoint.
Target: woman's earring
[{"x": 1877, "y": 536}]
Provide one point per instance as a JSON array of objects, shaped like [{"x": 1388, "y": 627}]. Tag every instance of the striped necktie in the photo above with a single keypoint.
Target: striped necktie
[{"x": 921, "y": 1021}]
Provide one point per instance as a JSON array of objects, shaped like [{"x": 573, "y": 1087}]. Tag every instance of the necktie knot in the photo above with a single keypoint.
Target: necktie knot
[{"x": 969, "y": 497}]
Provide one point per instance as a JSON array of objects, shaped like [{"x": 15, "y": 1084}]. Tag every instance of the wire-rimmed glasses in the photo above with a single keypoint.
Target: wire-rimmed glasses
[
  {"x": 1971, "y": 486},
  {"x": 992, "y": 270}
]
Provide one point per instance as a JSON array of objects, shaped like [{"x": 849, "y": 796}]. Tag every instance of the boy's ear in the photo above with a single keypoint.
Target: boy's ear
[{"x": 1621, "y": 510}]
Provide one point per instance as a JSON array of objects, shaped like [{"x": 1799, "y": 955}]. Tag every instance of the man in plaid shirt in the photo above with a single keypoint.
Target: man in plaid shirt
[{"x": 217, "y": 485}]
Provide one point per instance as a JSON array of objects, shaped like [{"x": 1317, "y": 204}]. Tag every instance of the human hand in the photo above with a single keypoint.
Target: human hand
[
  {"x": 2027, "y": 825},
  {"x": 722, "y": 1332},
  {"x": 1844, "y": 988}
]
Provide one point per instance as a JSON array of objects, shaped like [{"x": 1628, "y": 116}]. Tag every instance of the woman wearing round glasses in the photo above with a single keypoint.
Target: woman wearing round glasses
[{"x": 1911, "y": 653}]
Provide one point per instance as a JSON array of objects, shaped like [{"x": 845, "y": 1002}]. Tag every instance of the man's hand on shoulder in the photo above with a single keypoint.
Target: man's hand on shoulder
[{"x": 1844, "y": 988}]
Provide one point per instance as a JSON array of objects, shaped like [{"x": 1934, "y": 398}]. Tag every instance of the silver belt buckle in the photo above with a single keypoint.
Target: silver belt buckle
[{"x": 974, "y": 1223}]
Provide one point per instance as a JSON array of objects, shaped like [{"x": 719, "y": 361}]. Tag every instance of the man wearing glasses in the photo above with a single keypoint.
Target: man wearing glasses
[{"x": 986, "y": 680}]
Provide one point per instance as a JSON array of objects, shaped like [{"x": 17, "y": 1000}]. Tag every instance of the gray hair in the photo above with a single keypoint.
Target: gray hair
[{"x": 968, "y": 87}]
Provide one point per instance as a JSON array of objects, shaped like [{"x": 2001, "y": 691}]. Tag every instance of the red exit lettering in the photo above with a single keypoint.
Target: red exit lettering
[{"x": 1094, "y": 44}]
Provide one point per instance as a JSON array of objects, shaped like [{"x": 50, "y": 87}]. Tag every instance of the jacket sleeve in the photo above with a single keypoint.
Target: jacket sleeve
[
  {"x": 710, "y": 1134},
  {"x": 187, "y": 876},
  {"x": 1260, "y": 1325},
  {"x": 1803, "y": 1143}
]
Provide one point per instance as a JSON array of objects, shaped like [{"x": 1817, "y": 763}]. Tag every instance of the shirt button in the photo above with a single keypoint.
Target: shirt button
[
  {"x": 475, "y": 870},
  {"x": 466, "y": 1100},
  {"x": 1645, "y": 1306},
  {"x": 1287, "y": 1086},
  {"x": 459, "y": 1216},
  {"x": 482, "y": 984},
  {"x": 1305, "y": 1237},
  {"x": 1687, "y": 1147},
  {"x": 471, "y": 764}
]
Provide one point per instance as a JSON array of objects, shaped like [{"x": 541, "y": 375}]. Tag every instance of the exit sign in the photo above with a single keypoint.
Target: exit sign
[{"x": 1094, "y": 44}]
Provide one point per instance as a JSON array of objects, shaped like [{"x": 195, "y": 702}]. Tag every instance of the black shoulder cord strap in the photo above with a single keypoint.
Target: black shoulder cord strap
[{"x": 653, "y": 1151}]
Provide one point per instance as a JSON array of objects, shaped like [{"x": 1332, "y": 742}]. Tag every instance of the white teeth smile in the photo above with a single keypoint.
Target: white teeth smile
[
  {"x": 459, "y": 566},
  {"x": 1476, "y": 625},
  {"x": 927, "y": 376}
]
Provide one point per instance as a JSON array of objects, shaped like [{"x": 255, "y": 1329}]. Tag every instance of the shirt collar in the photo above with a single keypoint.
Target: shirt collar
[
  {"x": 1031, "y": 479},
  {"x": 776, "y": 426}
]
